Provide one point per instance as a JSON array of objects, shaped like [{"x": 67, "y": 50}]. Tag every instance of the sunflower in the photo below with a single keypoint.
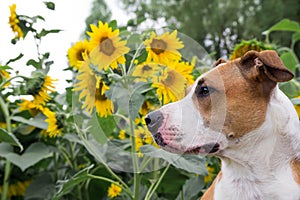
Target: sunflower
[
  {"x": 77, "y": 53},
  {"x": 147, "y": 106},
  {"x": 211, "y": 174},
  {"x": 145, "y": 71},
  {"x": 93, "y": 90},
  {"x": 164, "y": 47},
  {"x": 170, "y": 85},
  {"x": 107, "y": 47},
  {"x": 17, "y": 189},
  {"x": 142, "y": 137},
  {"x": 39, "y": 86},
  {"x": 4, "y": 75},
  {"x": 14, "y": 22},
  {"x": 183, "y": 68},
  {"x": 54, "y": 124},
  {"x": 297, "y": 108},
  {"x": 31, "y": 107},
  {"x": 114, "y": 190},
  {"x": 245, "y": 46},
  {"x": 122, "y": 134}
]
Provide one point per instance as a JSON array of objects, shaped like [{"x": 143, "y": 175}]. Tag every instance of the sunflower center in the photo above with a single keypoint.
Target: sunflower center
[
  {"x": 146, "y": 68},
  {"x": 158, "y": 46},
  {"x": 107, "y": 46},
  {"x": 79, "y": 55},
  {"x": 169, "y": 81},
  {"x": 98, "y": 95}
]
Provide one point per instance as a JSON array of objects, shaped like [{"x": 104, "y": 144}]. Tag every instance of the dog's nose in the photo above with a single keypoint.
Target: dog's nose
[{"x": 154, "y": 120}]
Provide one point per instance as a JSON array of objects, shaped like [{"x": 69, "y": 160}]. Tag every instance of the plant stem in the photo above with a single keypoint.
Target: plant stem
[
  {"x": 10, "y": 79},
  {"x": 7, "y": 162},
  {"x": 87, "y": 146},
  {"x": 137, "y": 178},
  {"x": 6, "y": 180},
  {"x": 155, "y": 185},
  {"x": 129, "y": 72},
  {"x": 127, "y": 190}
]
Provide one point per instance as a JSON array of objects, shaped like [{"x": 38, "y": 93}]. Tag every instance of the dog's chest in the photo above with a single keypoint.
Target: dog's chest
[{"x": 267, "y": 187}]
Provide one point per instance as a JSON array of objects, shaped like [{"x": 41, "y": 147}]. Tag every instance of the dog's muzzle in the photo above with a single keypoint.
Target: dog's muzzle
[{"x": 154, "y": 120}]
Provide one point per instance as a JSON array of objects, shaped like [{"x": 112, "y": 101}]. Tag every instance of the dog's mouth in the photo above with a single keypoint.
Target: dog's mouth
[{"x": 209, "y": 148}]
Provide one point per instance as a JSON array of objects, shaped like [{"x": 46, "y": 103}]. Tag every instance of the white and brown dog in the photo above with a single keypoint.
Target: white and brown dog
[{"x": 236, "y": 112}]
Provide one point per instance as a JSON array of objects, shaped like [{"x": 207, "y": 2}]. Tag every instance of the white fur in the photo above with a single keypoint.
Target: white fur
[{"x": 257, "y": 166}]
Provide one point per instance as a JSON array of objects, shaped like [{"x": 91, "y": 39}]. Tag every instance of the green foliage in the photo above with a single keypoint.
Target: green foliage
[
  {"x": 216, "y": 25},
  {"x": 33, "y": 154},
  {"x": 98, "y": 12},
  {"x": 9, "y": 138},
  {"x": 67, "y": 185}
]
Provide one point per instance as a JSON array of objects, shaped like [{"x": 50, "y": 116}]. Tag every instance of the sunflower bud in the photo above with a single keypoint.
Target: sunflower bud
[
  {"x": 35, "y": 84},
  {"x": 247, "y": 45}
]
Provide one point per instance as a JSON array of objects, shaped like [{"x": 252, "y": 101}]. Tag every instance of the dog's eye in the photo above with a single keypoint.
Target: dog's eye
[{"x": 203, "y": 91}]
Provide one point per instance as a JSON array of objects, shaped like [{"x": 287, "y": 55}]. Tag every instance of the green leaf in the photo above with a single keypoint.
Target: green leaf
[
  {"x": 35, "y": 18},
  {"x": 50, "y": 5},
  {"x": 5, "y": 67},
  {"x": 120, "y": 96},
  {"x": 135, "y": 103},
  {"x": 191, "y": 188},
  {"x": 9, "y": 138},
  {"x": 46, "y": 32},
  {"x": 33, "y": 154},
  {"x": 295, "y": 38},
  {"x": 128, "y": 100},
  {"x": 37, "y": 122},
  {"x": 49, "y": 63},
  {"x": 190, "y": 163},
  {"x": 67, "y": 185},
  {"x": 72, "y": 138},
  {"x": 15, "y": 59},
  {"x": 34, "y": 63},
  {"x": 113, "y": 24},
  {"x": 290, "y": 60},
  {"x": 41, "y": 188},
  {"x": 61, "y": 99},
  {"x": 112, "y": 153},
  {"x": 96, "y": 130},
  {"x": 285, "y": 25},
  {"x": 107, "y": 124},
  {"x": 135, "y": 39},
  {"x": 291, "y": 88}
]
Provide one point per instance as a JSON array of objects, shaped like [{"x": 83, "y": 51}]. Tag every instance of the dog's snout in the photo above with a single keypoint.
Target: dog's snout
[{"x": 154, "y": 120}]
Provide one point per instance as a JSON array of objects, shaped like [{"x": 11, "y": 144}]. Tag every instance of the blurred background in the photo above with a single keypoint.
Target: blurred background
[{"x": 216, "y": 25}]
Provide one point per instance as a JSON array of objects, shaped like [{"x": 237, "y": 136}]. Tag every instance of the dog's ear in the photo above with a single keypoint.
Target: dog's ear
[
  {"x": 219, "y": 61},
  {"x": 268, "y": 63}
]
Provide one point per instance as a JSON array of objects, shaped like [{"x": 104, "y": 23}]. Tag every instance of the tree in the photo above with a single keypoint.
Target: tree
[
  {"x": 217, "y": 25},
  {"x": 99, "y": 11}
]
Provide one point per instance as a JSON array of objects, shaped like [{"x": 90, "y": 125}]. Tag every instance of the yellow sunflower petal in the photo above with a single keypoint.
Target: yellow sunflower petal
[
  {"x": 163, "y": 48},
  {"x": 107, "y": 48}
]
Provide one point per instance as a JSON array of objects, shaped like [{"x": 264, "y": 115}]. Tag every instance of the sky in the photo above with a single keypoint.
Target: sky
[{"x": 69, "y": 16}]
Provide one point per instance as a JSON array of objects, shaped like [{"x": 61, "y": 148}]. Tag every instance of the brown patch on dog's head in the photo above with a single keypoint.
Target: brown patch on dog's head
[
  {"x": 295, "y": 166},
  {"x": 241, "y": 89}
]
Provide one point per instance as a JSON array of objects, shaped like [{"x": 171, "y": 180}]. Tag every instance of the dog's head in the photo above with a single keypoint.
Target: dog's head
[{"x": 223, "y": 105}]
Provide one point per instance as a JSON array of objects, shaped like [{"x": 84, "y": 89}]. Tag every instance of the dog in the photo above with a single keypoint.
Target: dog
[{"x": 237, "y": 112}]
